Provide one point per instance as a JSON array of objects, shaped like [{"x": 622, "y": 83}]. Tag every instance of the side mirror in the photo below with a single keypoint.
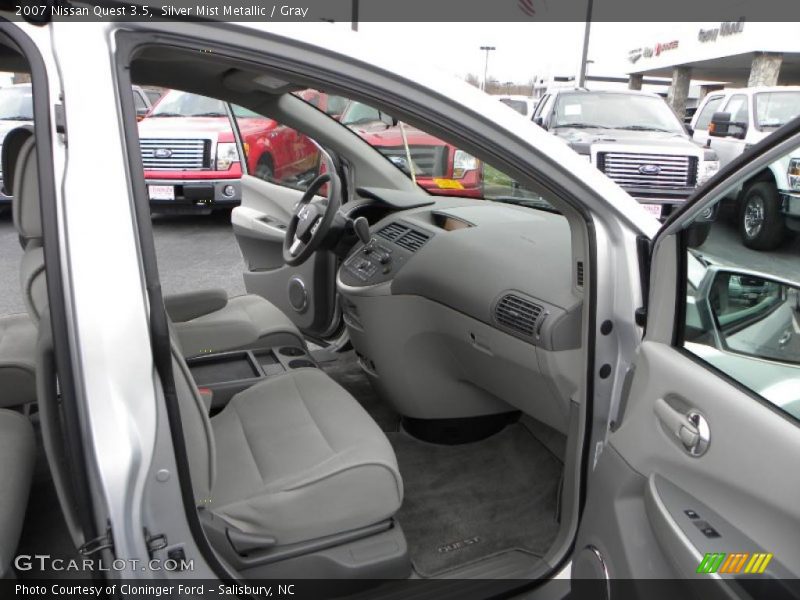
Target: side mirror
[
  {"x": 755, "y": 314},
  {"x": 539, "y": 121},
  {"x": 722, "y": 126},
  {"x": 689, "y": 130},
  {"x": 141, "y": 113}
]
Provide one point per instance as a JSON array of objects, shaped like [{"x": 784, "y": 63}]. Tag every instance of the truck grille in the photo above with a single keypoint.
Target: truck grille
[
  {"x": 429, "y": 161},
  {"x": 649, "y": 170},
  {"x": 162, "y": 154}
]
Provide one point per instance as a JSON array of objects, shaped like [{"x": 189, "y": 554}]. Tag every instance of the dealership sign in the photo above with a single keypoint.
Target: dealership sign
[
  {"x": 725, "y": 29},
  {"x": 650, "y": 51}
]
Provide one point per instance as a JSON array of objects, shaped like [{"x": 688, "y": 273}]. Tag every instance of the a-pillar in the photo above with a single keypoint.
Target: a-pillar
[
  {"x": 679, "y": 90},
  {"x": 765, "y": 69}
]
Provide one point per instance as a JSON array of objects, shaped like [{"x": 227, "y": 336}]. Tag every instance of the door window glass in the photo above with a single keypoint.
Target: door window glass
[
  {"x": 708, "y": 111},
  {"x": 742, "y": 312},
  {"x": 737, "y": 107}
]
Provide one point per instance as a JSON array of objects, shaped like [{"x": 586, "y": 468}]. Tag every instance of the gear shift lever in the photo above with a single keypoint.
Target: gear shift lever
[{"x": 361, "y": 226}]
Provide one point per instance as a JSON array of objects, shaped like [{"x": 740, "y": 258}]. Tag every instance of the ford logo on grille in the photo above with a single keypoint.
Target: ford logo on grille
[
  {"x": 649, "y": 169},
  {"x": 162, "y": 153}
]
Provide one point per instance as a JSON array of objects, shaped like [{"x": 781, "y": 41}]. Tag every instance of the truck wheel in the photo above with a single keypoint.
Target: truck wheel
[
  {"x": 761, "y": 223},
  {"x": 264, "y": 169}
]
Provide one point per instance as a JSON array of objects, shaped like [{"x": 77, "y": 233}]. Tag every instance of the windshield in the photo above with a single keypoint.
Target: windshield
[
  {"x": 16, "y": 104},
  {"x": 184, "y": 104},
  {"x": 774, "y": 109},
  {"x": 615, "y": 111},
  {"x": 518, "y": 105}
]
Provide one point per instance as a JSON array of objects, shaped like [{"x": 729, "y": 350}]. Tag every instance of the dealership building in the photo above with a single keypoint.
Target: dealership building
[{"x": 718, "y": 55}]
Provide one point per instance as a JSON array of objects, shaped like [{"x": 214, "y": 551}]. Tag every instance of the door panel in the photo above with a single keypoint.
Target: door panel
[
  {"x": 645, "y": 480},
  {"x": 258, "y": 225},
  {"x": 698, "y": 482}
]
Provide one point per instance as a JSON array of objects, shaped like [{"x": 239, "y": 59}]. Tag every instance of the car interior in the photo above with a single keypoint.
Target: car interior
[{"x": 399, "y": 393}]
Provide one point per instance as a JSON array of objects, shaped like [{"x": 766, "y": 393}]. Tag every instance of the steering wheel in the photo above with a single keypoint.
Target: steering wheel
[{"x": 312, "y": 220}]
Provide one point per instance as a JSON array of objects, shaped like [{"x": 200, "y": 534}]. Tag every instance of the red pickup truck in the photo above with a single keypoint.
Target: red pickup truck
[
  {"x": 437, "y": 166},
  {"x": 190, "y": 159}
]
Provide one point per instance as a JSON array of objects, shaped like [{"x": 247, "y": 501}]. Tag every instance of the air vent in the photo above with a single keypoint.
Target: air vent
[
  {"x": 518, "y": 314},
  {"x": 393, "y": 231},
  {"x": 579, "y": 274},
  {"x": 413, "y": 240}
]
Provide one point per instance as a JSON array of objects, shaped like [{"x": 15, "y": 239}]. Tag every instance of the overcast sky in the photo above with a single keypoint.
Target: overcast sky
[{"x": 523, "y": 50}]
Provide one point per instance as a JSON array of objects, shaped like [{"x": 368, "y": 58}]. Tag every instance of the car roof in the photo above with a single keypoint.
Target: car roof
[
  {"x": 758, "y": 89},
  {"x": 604, "y": 92}
]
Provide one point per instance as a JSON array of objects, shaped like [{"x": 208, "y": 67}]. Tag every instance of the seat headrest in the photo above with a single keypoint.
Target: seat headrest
[{"x": 21, "y": 180}]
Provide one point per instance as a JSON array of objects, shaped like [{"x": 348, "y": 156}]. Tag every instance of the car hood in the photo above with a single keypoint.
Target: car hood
[
  {"x": 377, "y": 134},
  {"x": 183, "y": 126},
  {"x": 581, "y": 140},
  {"x": 776, "y": 382}
]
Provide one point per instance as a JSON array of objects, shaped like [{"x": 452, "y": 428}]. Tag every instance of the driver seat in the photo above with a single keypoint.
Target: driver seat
[{"x": 205, "y": 322}]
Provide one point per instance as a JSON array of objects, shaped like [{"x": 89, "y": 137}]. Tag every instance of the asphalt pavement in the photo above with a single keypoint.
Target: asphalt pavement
[
  {"x": 200, "y": 252},
  {"x": 194, "y": 253}
]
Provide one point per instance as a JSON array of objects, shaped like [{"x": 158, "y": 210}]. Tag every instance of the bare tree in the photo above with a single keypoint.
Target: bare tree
[{"x": 472, "y": 79}]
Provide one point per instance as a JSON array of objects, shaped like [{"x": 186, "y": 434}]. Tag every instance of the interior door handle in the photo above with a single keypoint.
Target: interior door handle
[{"x": 690, "y": 429}]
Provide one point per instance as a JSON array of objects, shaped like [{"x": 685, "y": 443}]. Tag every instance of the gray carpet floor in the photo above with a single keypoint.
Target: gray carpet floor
[{"x": 467, "y": 502}]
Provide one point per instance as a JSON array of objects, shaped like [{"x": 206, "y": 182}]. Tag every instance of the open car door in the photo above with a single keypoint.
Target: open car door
[
  {"x": 280, "y": 164},
  {"x": 698, "y": 480}
]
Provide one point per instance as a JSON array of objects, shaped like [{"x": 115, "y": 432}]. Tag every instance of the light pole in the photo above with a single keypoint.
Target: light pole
[
  {"x": 486, "y": 49},
  {"x": 582, "y": 74}
]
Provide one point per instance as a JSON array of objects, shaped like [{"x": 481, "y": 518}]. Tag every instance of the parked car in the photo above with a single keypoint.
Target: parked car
[
  {"x": 16, "y": 108},
  {"x": 730, "y": 121},
  {"x": 521, "y": 401},
  {"x": 191, "y": 162},
  {"x": 635, "y": 139},
  {"x": 524, "y": 105},
  {"x": 437, "y": 166}
]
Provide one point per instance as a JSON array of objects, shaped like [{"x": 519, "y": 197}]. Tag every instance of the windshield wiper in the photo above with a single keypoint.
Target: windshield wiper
[
  {"x": 17, "y": 118},
  {"x": 166, "y": 114},
  {"x": 580, "y": 126},
  {"x": 645, "y": 128},
  {"x": 537, "y": 204},
  {"x": 208, "y": 114}
]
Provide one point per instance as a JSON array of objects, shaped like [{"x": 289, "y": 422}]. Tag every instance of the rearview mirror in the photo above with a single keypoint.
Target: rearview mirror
[
  {"x": 755, "y": 315},
  {"x": 722, "y": 126}
]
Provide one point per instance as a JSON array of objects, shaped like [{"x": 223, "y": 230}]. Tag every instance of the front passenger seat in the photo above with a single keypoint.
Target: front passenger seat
[{"x": 290, "y": 464}]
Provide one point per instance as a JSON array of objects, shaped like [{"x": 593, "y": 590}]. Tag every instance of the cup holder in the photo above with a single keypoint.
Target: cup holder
[
  {"x": 291, "y": 351},
  {"x": 299, "y": 363}
]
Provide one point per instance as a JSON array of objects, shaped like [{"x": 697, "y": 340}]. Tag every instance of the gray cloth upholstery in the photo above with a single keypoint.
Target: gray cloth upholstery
[
  {"x": 294, "y": 457},
  {"x": 17, "y": 361},
  {"x": 243, "y": 322},
  {"x": 21, "y": 180},
  {"x": 298, "y": 459},
  {"x": 17, "y": 455},
  {"x": 190, "y": 305}
]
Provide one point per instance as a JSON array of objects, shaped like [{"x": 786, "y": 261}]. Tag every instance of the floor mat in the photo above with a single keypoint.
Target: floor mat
[
  {"x": 346, "y": 372},
  {"x": 467, "y": 502}
]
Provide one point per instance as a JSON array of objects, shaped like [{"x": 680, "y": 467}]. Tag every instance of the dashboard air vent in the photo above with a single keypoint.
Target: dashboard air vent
[
  {"x": 413, "y": 240},
  {"x": 518, "y": 314},
  {"x": 579, "y": 274},
  {"x": 393, "y": 231}
]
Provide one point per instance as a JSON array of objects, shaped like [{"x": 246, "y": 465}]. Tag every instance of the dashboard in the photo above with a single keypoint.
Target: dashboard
[{"x": 507, "y": 266}]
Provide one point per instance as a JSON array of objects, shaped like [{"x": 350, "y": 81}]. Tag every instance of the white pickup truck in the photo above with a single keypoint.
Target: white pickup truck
[{"x": 730, "y": 121}]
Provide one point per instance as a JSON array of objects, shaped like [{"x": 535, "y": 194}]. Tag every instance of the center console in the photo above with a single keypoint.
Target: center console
[
  {"x": 226, "y": 374},
  {"x": 383, "y": 255}
]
